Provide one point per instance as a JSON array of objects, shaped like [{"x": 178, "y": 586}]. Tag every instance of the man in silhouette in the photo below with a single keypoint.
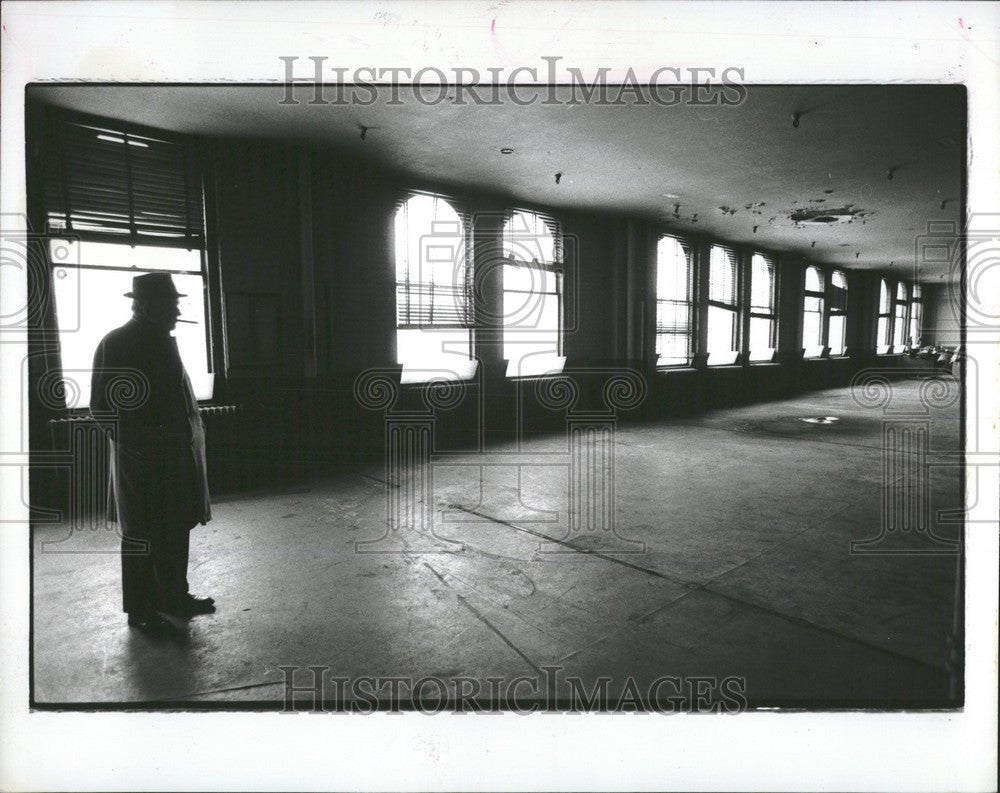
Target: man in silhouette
[{"x": 160, "y": 490}]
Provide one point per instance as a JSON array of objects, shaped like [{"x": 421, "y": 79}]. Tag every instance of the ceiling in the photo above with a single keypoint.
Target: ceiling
[{"x": 854, "y": 184}]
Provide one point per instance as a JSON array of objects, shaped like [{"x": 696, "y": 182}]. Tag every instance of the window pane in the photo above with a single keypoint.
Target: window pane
[
  {"x": 722, "y": 275},
  {"x": 673, "y": 337},
  {"x": 899, "y": 327},
  {"x": 916, "y": 291},
  {"x": 430, "y": 265},
  {"x": 531, "y": 333},
  {"x": 721, "y": 330},
  {"x": 531, "y": 297},
  {"x": 528, "y": 238},
  {"x": 883, "y": 331},
  {"x": 432, "y": 350},
  {"x": 533, "y": 360},
  {"x": 105, "y": 254},
  {"x": 838, "y": 292},
  {"x": 672, "y": 350},
  {"x": 673, "y": 292},
  {"x": 533, "y": 303},
  {"x": 673, "y": 318},
  {"x": 814, "y": 280},
  {"x": 761, "y": 285},
  {"x": 838, "y": 326},
  {"x": 673, "y": 271},
  {"x": 528, "y": 279},
  {"x": 883, "y": 300},
  {"x": 432, "y": 336},
  {"x": 812, "y": 322},
  {"x": 761, "y": 347},
  {"x": 89, "y": 303},
  {"x": 915, "y": 312},
  {"x": 901, "y": 292}
]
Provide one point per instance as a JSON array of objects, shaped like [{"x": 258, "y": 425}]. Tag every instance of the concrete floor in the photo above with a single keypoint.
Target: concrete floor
[{"x": 746, "y": 517}]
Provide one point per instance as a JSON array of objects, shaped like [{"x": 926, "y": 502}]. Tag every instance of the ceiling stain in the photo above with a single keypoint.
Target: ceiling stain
[{"x": 827, "y": 216}]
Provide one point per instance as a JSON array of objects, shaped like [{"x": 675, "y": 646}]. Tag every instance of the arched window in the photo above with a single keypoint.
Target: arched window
[
  {"x": 884, "y": 333},
  {"x": 916, "y": 315},
  {"x": 837, "y": 339},
  {"x": 723, "y": 306},
  {"x": 433, "y": 323},
  {"x": 812, "y": 313},
  {"x": 899, "y": 320},
  {"x": 674, "y": 283},
  {"x": 763, "y": 314},
  {"x": 532, "y": 295}
]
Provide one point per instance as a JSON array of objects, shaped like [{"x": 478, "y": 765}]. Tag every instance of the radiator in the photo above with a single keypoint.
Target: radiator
[{"x": 82, "y": 455}]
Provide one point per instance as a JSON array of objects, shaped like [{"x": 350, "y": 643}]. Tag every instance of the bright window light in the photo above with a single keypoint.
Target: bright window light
[
  {"x": 723, "y": 309},
  {"x": 762, "y": 309},
  {"x": 532, "y": 297},
  {"x": 433, "y": 336},
  {"x": 838, "y": 313},
  {"x": 838, "y": 327},
  {"x": 812, "y": 314},
  {"x": 90, "y": 302},
  {"x": 674, "y": 280}
]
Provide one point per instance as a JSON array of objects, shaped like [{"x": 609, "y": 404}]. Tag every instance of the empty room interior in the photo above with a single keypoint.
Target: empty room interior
[{"x": 636, "y": 390}]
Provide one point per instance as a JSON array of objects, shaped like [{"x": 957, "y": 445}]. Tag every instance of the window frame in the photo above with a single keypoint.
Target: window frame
[
  {"x": 821, "y": 295},
  {"x": 197, "y": 234},
  {"x": 751, "y": 314},
  {"x": 916, "y": 313},
  {"x": 556, "y": 268},
  {"x": 832, "y": 311},
  {"x": 886, "y": 338},
  {"x": 460, "y": 207},
  {"x": 900, "y": 322},
  {"x": 737, "y": 307},
  {"x": 690, "y": 254}
]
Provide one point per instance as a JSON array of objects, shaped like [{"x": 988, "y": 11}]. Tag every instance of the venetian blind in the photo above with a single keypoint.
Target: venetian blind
[{"x": 104, "y": 181}]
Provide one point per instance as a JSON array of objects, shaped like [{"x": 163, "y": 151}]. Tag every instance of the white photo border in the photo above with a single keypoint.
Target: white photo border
[{"x": 786, "y": 42}]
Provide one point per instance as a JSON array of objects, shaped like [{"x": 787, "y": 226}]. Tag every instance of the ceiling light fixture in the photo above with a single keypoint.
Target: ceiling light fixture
[{"x": 506, "y": 150}]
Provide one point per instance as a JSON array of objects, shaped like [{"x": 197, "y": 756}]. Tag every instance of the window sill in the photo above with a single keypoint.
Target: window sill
[
  {"x": 528, "y": 378},
  {"x": 675, "y": 369},
  {"x": 85, "y": 414},
  {"x": 434, "y": 372},
  {"x": 759, "y": 364}
]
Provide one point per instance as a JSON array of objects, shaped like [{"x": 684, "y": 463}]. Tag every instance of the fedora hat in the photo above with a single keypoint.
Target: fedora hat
[{"x": 153, "y": 285}]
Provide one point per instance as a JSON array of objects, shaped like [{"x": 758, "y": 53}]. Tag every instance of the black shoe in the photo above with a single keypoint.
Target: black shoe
[
  {"x": 191, "y": 606},
  {"x": 196, "y": 605},
  {"x": 152, "y": 625}
]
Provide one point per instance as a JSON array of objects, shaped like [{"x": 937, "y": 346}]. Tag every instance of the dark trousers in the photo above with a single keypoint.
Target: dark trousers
[{"x": 154, "y": 569}]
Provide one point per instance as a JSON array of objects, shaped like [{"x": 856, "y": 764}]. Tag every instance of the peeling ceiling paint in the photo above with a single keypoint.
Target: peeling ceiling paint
[{"x": 721, "y": 171}]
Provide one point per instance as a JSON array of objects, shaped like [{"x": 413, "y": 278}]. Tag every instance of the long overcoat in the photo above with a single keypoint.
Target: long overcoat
[{"x": 158, "y": 471}]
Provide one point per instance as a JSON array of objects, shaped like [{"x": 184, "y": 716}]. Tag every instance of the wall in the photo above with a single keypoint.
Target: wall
[
  {"x": 941, "y": 325},
  {"x": 300, "y": 418},
  {"x": 304, "y": 244}
]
